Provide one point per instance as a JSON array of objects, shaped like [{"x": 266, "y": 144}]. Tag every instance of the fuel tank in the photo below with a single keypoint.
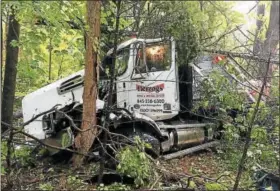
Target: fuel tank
[{"x": 184, "y": 135}]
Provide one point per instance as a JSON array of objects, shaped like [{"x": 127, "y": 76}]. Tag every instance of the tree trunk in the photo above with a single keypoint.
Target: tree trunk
[
  {"x": 272, "y": 33},
  {"x": 10, "y": 72},
  {"x": 1, "y": 74},
  {"x": 268, "y": 47},
  {"x": 84, "y": 140},
  {"x": 272, "y": 36},
  {"x": 258, "y": 44}
]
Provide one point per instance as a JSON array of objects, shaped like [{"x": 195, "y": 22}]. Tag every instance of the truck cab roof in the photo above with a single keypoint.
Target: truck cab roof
[{"x": 134, "y": 40}]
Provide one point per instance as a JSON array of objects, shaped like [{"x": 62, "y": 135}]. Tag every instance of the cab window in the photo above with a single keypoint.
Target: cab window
[
  {"x": 158, "y": 57},
  {"x": 140, "y": 63},
  {"x": 122, "y": 61},
  {"x": 120, "y": 64}
]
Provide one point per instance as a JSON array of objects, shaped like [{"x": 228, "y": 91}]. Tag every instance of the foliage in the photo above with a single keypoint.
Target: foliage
[
  {"x": 20, "y": 156},
  {"x": 134, "y": 163},
  {"x": 214, "y": 186},
  {"x": 192, "y": 185},
  {"x": 67, "y": 45},
  {"x": 3, "y": 155},
  {"x": 226, "y": 94},
  {"x": 45, "y": 31},
  {"x": 197, "y": 24},
  {"x": 46, "y": 186},
  {"x": 23, "y": 156},
  {"x": 74, "y": 182},
  {"x": 222, "y": 92},
  {"x": 114, "y": 186}
]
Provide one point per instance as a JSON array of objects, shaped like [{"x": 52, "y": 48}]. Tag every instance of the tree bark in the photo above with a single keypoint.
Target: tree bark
[
  {"x": 258, "y": 44},
  {"x": 272, "y": 36},
  {"x": 10, "y": 72},
  {"x": 268, "y": 46},
  {"x": 1, "y": 74},
  {"x": 85, "y": 139}
]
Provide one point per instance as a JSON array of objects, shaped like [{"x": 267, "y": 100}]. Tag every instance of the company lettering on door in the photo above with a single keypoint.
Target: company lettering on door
[{"x": 150, "y": 98}]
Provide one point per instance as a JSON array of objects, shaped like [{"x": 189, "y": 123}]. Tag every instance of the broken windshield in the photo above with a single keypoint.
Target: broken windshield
[{"x": 158, "y": 57}]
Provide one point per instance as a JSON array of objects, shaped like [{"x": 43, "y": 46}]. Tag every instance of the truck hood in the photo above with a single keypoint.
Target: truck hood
[{"x": 47, "y": 97}]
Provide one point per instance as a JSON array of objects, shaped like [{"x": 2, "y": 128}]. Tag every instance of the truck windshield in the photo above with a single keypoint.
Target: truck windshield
[{"x": 158, "y": 57}]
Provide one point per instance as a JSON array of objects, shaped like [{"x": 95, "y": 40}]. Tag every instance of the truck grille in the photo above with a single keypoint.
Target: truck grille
[{"x": 70, "y": 84}]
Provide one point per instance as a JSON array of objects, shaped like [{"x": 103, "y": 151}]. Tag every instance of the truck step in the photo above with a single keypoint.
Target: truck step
[{"x": 190, "y": 150}]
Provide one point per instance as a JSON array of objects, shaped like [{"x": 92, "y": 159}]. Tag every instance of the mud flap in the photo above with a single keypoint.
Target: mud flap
[{"x": 63, "y": 139}]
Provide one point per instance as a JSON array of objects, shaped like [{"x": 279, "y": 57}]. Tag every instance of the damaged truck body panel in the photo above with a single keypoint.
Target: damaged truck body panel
[{"x": 61, "y": 93}]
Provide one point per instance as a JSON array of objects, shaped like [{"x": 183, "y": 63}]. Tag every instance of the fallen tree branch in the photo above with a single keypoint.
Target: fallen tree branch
[
  {"x": 248, "y": 137},
  {"x": 40, "y": 141},
  {"x": 98, "y": 126},
  {"x": 40, "y": 114},
  {"x": 222, "y": 36},
  {"x": 250, "y": 86},
  {"x": 31, "y": 120},
  {"x": 72, "y": 121},
  {"x": 245, "y": 56},
  {"x": 243, "y": 69}
]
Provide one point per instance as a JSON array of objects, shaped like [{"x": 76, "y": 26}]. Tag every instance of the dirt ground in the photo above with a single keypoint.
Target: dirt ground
[{"x": 203, "y": 165}]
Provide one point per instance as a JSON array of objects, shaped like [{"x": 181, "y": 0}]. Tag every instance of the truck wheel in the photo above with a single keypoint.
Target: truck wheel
[
  {"x": 154, "y": 151},
  {"x": 155, "y": 144}
]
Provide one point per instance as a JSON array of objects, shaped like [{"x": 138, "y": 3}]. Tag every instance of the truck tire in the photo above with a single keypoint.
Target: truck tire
[
  {"x": 155, "y": 144},
  {"x": 154, "y": 151}
]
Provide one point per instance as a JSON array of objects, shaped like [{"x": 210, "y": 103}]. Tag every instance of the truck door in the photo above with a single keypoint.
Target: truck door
[
  {"x": 122, "y": 71},
  {"x": 153, "y": 90}
]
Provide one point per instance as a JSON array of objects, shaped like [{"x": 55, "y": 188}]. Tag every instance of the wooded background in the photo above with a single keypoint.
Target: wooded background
[{"x": 43, "y": 41}]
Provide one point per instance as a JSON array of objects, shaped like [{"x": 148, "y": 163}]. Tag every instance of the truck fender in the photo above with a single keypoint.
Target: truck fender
[{"x": 142, "y": 118}]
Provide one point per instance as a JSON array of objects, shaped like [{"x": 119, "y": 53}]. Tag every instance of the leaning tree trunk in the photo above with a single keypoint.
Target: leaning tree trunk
[
  {"x": 10, "y": 72},
  {"x": 85, "y": 138}
]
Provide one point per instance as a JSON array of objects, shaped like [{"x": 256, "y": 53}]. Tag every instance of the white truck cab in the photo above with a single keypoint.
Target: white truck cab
[{"x": 147, "y": 78}]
